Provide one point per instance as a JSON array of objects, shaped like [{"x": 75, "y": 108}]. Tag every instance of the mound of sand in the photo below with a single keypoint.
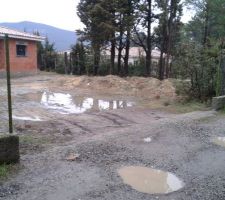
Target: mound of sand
[{"x": 138, "y": 86}]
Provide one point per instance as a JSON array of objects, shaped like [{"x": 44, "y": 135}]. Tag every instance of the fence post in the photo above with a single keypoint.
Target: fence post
[{"x": 8, "y": 83}]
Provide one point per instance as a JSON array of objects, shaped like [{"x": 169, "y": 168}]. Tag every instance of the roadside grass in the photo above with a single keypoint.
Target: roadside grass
[
  {"x": 176, "y": 107},
  {"x": 30, "y": 143},
  {"x": 222, "y": 111},
  {"x": 4, "y": 170},
  {"x": 186, "y": 107},
  {"x": 29, "y": 139}
]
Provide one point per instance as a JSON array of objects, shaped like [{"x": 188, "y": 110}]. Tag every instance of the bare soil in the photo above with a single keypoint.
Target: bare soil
[{"x": 106, "y": 140}]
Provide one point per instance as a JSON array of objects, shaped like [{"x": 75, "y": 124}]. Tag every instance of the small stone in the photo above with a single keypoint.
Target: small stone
[{"x": 72, "y": 157}]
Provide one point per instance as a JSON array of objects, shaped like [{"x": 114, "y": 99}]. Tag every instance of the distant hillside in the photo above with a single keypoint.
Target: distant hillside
[{"x": 63, "y": 39}]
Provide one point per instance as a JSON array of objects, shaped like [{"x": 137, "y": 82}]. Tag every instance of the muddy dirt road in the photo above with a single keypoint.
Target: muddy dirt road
[{"x": 80, "y": 142}]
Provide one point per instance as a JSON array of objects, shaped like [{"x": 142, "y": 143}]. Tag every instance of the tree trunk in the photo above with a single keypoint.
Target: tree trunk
[
  {"x": 127, "y": 53},
  {"x": 96, "y": 61},
  {"x": 120, "y": 52},
  {"x": 161, "y": 66},
  {"x": 173, "y": 13},
  {"x": 119, "y": 61},
  {"x": 206, "y": 28},
  {"x": 113, "y": 54},
  {"x": 129, "y": 25},
  {"x": 148, "y": 63},
  {"x": 164, "y": 41}
]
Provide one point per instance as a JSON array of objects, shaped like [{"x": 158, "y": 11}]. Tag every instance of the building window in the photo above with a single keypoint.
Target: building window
[{"x": 21, "y": 50}]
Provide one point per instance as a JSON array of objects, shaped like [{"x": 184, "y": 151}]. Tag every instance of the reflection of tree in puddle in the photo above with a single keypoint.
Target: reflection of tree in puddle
[{"x": 65, "y": 104}]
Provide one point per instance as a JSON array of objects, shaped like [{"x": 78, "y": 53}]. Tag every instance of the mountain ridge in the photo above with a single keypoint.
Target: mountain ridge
[{"x": 63, "y": 39}]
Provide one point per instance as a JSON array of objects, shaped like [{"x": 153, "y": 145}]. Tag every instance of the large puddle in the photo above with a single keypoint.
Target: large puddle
[
  {"x": 66, "y": 104},
  {"x": 151, "y": 181},
  {"x": 219, "y": 141}
]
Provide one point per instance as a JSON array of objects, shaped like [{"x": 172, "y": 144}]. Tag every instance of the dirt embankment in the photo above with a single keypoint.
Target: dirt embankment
[{"x": 149, "y": 88}]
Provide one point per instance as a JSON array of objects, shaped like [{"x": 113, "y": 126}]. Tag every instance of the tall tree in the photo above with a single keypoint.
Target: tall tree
[
  {"x": 143, "y": 30},
  {"x": 78, "y": 58},
  {"x": 94, "y": 17},
  {"x": 130, "y": 19},
  {"x": 169, "y": 21},
  {"x": 49, "y": 55},
  {"x": 40, "y": 53},
  {"x": 110, "y": 7}
]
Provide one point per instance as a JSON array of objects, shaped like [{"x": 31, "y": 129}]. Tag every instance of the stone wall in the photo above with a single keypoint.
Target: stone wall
[{"x": 9, "y": 149}]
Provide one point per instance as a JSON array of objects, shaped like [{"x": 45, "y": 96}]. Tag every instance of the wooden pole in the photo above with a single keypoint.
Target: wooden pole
[{"x": 8, "y": 83}]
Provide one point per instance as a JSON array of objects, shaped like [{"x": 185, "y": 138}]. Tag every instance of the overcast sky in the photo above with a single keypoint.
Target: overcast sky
[{"x": 58, "y": 13}]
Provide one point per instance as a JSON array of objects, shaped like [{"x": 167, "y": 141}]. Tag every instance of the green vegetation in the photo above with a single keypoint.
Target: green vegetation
[
  {"x": 223, "y": 111},
  {"x": 31, "y": 140},
  {"x": 4, "y": 170},
  {"x": 200, "y": 54},
  {"x": 185, "y": 107}
]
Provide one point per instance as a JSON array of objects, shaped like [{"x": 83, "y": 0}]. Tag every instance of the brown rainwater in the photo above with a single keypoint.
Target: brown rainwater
[{"x": 151, "y": 181}]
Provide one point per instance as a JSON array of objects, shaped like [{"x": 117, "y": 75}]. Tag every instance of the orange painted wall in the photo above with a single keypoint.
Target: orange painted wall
[
  {"x": 2, "y": 56},
  {"x": 19, "y": 64}
]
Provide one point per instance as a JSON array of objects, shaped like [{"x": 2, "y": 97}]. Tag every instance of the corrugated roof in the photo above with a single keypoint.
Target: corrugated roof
[{"x": 19, "y": 34}]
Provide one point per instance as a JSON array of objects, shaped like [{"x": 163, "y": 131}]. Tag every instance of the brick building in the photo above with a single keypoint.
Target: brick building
[{"x": 22, "y": 49}]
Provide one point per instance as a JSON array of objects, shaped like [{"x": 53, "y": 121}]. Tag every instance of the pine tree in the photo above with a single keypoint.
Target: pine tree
[
  {"x": 143, "y": 30},
  {"x": 168, "y": 29},
  {"x": 95, "y": 18}
]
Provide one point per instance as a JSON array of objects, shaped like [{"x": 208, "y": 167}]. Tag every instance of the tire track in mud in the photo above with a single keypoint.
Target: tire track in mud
[
  {"x": 83, "y": 128},
  {"x": 118, "y": 122},
  {"x": 113, "y": 118},
  {"x": 122, "y": 118}
]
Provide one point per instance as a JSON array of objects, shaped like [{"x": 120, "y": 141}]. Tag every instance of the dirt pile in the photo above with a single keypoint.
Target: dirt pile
[{"x": 138, "y": 86}]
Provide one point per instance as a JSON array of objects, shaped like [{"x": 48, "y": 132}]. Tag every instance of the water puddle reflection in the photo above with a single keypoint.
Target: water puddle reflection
[
  {"x": 151, "y": 181},
  {"x": 148, "y": 139},
  {"x": 219, "y": 141},
  {"x": 35, "y": 119},
  {"x": 66, "y": 104}
]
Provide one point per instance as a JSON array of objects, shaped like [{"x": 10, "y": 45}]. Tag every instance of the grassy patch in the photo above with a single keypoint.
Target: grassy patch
[
  {"x": 222, "y": 111},
  {"x": 28, "y": 139},
  {"x": 4, "y": 170},
  {"x": 30, "y": 144},
  {"x": 178, "y": 107}
]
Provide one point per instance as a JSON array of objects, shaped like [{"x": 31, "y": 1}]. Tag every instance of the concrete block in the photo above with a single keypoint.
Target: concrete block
[
  {"x": 9, "y": 149},
  {"x": 218, "y": 103}
]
